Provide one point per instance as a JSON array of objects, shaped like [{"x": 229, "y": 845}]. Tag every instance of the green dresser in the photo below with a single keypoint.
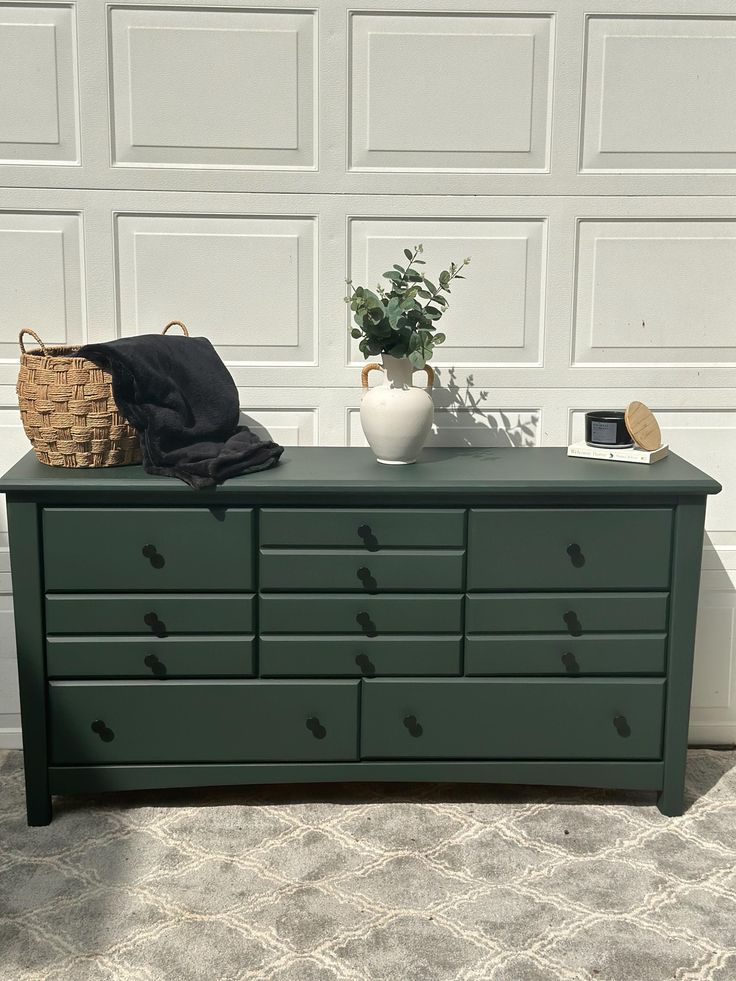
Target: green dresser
[{"x": 494, "y": 615}]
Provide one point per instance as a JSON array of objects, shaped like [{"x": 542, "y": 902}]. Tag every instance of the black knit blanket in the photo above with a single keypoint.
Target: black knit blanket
[{"x": 182, "y": 400}]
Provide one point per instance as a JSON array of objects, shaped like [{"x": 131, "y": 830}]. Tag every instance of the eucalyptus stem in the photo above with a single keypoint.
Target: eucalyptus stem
[{"x": 393, "y": 320}]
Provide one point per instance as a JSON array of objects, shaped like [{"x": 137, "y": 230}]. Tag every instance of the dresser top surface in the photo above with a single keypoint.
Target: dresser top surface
[{"x": 313, "y": 470}]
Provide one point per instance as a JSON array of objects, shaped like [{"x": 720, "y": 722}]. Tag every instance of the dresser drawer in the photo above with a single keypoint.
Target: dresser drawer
[
  {"x": 345, "y": 656},
  {"x": 354, "y": 571},
  {"x": 535, "y": 718},
  {"x": 310, "y": 613},
  {"x": 539, "y": 654},
  {"x": 147, "y": 548},
  {"x": 591, "y": 548},
  {"x": 198, "y": 722},
  {"x": 368, "y": 529},
  {"x": 155, "y": 615},
  {"x": 150, "y": 657},
  {"x": 569, "y": 613}
]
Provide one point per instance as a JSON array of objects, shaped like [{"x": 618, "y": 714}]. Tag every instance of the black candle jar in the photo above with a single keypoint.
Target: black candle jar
[{"x": 607, "y": 429}]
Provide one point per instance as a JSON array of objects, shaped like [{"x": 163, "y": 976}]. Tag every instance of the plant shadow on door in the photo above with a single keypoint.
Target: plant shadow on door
[{"x": 463, "y": 417}]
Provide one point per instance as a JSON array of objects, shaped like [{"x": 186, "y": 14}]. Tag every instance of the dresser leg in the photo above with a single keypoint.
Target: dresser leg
[
  {"x": 28, "y": 593},
  {"x": 38, "y": 808},
  {"x": 684, "y": 585},
  {"x": 671, "y": 801}
]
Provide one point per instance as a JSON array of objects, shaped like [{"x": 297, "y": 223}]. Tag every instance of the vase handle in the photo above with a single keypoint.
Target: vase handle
[
  {"x": 366, "y": 371},
  {"x": 430, "y": 375}
]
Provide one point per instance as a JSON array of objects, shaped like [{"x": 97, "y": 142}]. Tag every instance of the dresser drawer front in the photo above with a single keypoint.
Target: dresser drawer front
[
  {"x": 592, "y": 548},
  {"x": 148, "y": 549},
  {"x": 319, "y": 613},
  {"x": 567, "y": 613},
  {"x": 354, "y": 571},
  {"x": 157, "y": 614},
  {"x": 346, "y": 656},
  {"x": 541, "y": 654},
  {"x": 198, "y": 722},
  {"x": 150, "y": 657},
  {"x": 547, "y": 718},
  {"x": 371, "y": 530}
]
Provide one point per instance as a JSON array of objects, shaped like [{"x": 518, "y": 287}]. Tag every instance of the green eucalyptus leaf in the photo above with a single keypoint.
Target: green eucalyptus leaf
[
  {"x": 407, "y": 253},
  {"x": 416, "y": 359},
  {"x": 354, "y": 332},
  {"x": 439, "y": 338},
  {"x": 430, "y": 286},
  {"x": 393, "y": 311}
]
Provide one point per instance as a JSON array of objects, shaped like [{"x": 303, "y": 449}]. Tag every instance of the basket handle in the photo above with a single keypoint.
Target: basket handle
[
  {"x": 34, "y": 335},
  {"x": 176, "y": 323}
]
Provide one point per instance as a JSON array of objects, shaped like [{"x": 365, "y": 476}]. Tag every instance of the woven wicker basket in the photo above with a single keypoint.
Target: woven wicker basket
[{"x": 68, "y": 411}]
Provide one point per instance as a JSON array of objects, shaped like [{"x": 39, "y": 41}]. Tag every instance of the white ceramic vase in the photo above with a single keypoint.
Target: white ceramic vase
[{"x": 396, "y": 416}]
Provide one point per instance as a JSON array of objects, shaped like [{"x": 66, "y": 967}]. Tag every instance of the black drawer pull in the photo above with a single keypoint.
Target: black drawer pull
[
  {"x": 365, "y": 623},
  {"x": 157, "y": 667},
  {"x": 316, "y": 727},
  {"x": 571, "y": 665},
  {"x": 413, "y": 726},
  {"x": 622, "y": 726},
  {"x": 105, "y": 734},
  {"x": 365, "y": 664},
  {"x": 572, "y": 623},
  {"x": 158, "y": 627},
  {"x": 369, "y": 539},
  {"x": 154, "y": 556},
  {"x": 369, "y": 583},
  {"x": 576, "y": 556}
]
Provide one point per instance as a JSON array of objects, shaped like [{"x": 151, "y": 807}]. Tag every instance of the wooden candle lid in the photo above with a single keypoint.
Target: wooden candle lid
[{"x": 643, "y": 426}]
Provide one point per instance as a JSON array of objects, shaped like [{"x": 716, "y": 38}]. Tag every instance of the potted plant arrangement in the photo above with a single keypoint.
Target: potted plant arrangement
[{"x": 399, "y": 322}]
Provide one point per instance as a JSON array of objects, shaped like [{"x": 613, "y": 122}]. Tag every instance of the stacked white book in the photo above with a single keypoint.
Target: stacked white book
[{"x": 629, "y": 454}]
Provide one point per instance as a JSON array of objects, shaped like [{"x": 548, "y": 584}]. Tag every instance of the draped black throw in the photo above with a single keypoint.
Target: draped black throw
[{"x": 182, "y": 400}]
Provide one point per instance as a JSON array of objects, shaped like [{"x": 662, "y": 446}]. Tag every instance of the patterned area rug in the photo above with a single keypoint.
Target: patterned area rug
[{"x": 372, "y": 882}]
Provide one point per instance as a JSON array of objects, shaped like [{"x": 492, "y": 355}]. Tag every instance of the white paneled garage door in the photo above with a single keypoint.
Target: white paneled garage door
[{"x": 230, "y": 165}]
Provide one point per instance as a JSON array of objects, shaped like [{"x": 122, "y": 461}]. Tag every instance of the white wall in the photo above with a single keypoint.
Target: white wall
[{"x": 230, "y": 165}]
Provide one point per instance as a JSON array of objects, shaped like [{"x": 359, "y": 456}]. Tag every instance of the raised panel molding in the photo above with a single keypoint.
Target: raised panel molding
[
  {"x": 196, "y": 87},
  {"x": 508, "y": 257},
  {"x": 467, "y": 427},
  {"x": 10, "y": 737},
  {"x": 289, "y": 427},
  {"x": 659, "y": 94},
  {"x": 482, "y": 80},
  {"x": 655, "y": 292},
  {"x": 246, "y": 283},
  {"x": 41, "y": 280},
  {"x": 713, "y": 713},
  {"x": 13, "y": 445},
  {"x": 38, "y": 85}
]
